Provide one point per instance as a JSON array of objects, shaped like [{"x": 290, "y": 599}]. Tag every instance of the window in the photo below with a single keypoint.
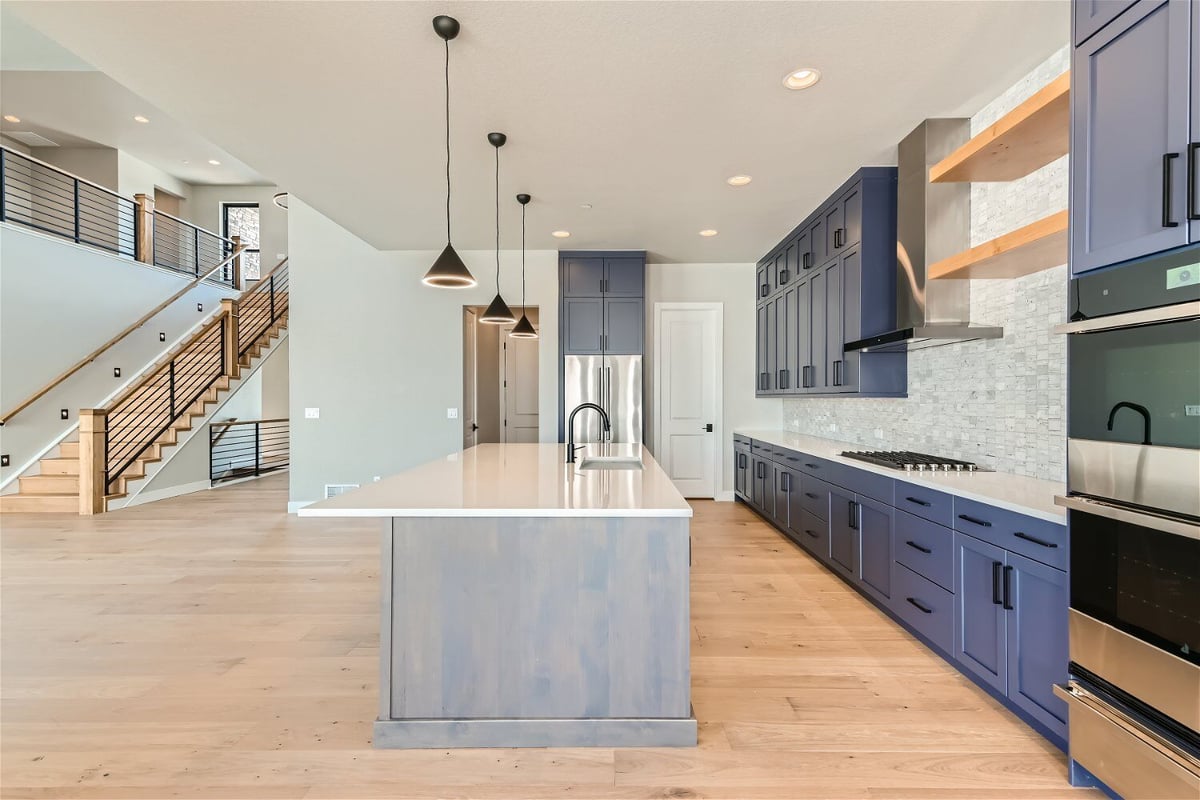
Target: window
[{"x": 241, "y": 219}]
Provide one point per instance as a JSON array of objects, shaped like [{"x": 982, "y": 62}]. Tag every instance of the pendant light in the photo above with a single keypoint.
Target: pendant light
[
  {"x": 449, "y": 271},
  {"x": 524, "y": 328},
  {"x": 498, "y": 312}
]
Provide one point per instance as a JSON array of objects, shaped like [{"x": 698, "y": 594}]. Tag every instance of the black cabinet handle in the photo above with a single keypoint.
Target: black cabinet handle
[
  {"x": 1193, "y": 157},
  {"x": 784, "y": 277},
  {"x": 785, "y": 378},
  {"x": 804, "y": 379},
  {"x": 787, "y": 482},
  {"x": 1035, "y": 540},
  {"x": 762, "y": 290},
  {"x": 808, "y": 261},
  {"x": 923, "y": 608},
  {"x": 813, "y": 534},
  {"x": 974, "y": 521},
  {"x": 997, "y": 568},
  {"x": 1166, "y": 189},
  {"x": 853, "y": 516},
  {"x": 1008, "y": 571},
  {"x": 918, "y": 502},
  {"x": 813, "y": 466},
  {"x": 760, "y": 469},
  {"x": 839, "y": 237},
  {"x": 811, "y": 496},
  {"x": 916, "y": 546}
]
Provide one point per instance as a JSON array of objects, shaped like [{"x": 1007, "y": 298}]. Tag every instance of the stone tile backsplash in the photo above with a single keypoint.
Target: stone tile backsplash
[{"x": 1001, "y": 402}]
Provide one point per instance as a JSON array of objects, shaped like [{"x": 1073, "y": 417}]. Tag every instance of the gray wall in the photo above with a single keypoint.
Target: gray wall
[
  {"x": 381, "y": 354},
  {"x": 203, "y": 208},
  {"x": 96, "y": 164},
  {"x": 998, "y": 402},
  {"x": 732, "y": 285}
]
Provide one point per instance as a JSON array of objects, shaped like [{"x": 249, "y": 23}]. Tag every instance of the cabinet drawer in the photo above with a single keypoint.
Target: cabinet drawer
[
  {"x": 812, "y": 533},
  {"x": 814, "y": 496},
  {"x": 926, "y": 607},
  {"x": 869, "y": 484},
  {"x": 1033, "y": 538},
  {"x": 743, "y": 441},
  {"x": 932, "y": 505},
  {"x": 926, "y": 548}
]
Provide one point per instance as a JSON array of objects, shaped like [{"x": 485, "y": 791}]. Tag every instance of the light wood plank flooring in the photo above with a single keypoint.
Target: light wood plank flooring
[{"x": 211, "y": 646}]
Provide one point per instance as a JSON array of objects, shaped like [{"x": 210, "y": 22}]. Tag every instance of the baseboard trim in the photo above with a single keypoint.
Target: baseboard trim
[
  {"x": 725, "y": 497},
  {"x": 296, "y": 505},
  {"x": 450, "y": 733}
]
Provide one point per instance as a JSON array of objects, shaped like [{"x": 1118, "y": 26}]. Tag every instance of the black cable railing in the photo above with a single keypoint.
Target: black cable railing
[
  {"x": 241, "y": 449},
  {"x": 261, "y": 307},
  {"x": 47, "y": 199},
  {"x": 139, "y": 418},
  {"x": 183, "y": 247}
]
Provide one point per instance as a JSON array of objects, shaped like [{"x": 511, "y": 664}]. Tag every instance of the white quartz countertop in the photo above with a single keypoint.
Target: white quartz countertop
[
  {"x": 515, "y": 480},
  {"x": 1031, "y": 496}
]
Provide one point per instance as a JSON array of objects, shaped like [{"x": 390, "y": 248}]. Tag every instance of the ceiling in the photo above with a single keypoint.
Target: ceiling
[{"x": 641, "y": 109}]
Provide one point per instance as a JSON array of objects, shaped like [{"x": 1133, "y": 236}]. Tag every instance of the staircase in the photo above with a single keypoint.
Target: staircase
[{"x": 261, "y": 315}]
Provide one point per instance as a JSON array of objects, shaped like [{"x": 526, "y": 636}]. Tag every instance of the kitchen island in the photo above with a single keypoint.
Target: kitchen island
[{"x": 529, "y": 602}]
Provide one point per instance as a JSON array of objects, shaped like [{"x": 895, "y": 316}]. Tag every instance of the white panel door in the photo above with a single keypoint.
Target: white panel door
[
  {"x": 469, "y": 413},
  {"x": 687, "y": 359},
  {"x": 518, "y": 388}
]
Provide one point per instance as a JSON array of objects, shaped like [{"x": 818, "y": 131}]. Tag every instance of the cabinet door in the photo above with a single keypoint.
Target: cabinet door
[
  {"x": 835, "y": 223},
  {"x": 739, "y": 474},
  {"x": 582, "y": 277},
  {"x": 874, "y": 521},
  {"x": 817, "y": 243},
  {"x": 819, "y": 374},
  {"x": 1037, "y": 638},
  {"x": 843, "y": 533},
  {"x": 771, "y": 381},
  {"x": 784, "y": 486},
  {"x": 761, "y": 482},
  {"x": 624, "y": 277},
  {"x": 785, "y": 326},
  {"x": 1092, "y": 15},
  {"x": 802, "y": 341},
  {"x": 852, "y": 217},
  {"x": 980, "y": 639},
  {"x": 764, "y": 280},
  {"x": 624, "y": 322},
  {"x": 1129, "y": 115},
  {"x": 834, "y": 336},
  {"x": 583, "y": 324},
  {"x": 851, "y": 306},
  {"x": 803, "y": 254},
  {"x": 1194, "y": 145},
  {"x": 760, "y": 340}
]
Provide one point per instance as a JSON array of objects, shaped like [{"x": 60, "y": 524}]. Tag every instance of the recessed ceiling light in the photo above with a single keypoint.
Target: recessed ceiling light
[
  {"x": 140, "y": 118},
  {"x": 560, "y": 234},
  {"x": 585, "y": 205},
  {"x": 214, "y": 162},
  {"x": 801, "y": 78},
  {"x": 708, "y": 232},
  {"x": 11, "y": 118},
  {"x": 739, "y": 180}
]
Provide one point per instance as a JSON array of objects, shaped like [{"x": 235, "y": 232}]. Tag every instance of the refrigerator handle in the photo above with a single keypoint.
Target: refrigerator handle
[{"x": 608, "y": 406}]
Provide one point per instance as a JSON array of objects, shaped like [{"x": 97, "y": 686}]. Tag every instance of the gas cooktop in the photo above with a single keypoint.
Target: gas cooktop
[{"x": 913, "y": 462}]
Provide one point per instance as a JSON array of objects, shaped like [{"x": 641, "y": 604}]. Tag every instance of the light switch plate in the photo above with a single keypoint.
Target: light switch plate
[
  {"x": 451, "y": 413},
  {"x": 312, "y": 413},
  {"x": 1191, "y": 411}
]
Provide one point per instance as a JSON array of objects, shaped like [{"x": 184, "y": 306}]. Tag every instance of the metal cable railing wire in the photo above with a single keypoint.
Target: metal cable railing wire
[
  {"x": 261, "y": 307},
  {"x": 52, "y": 201},
  {"x": 241, "y": 449},
  {"x": 183, "y": 247}
]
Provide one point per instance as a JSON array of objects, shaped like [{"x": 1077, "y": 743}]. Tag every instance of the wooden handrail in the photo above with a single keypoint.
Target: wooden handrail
[
  {"x": 232, "y": 423},
  {"x": 92, "y": 356},
  {"x": 191, "y": 225},
  {"x": 159, "y": 366}
]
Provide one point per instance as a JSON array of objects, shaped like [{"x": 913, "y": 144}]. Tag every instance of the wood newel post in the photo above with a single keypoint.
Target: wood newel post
[
  {"x": 237, "y": 262},
  {"x": 93, "y": 476},
  {"x": 144, "y": 228},
  {"x": 229, "y": 308}
]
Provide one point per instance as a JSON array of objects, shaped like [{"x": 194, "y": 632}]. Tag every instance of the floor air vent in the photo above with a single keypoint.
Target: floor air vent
[{"x": 334, "y": 489}]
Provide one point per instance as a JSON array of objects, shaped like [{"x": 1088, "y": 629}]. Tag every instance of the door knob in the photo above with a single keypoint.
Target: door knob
[{"x": 708, "y": 428}]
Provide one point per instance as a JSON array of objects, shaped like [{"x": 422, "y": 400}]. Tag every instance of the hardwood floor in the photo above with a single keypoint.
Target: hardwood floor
[{"x": 211, "y": 646}]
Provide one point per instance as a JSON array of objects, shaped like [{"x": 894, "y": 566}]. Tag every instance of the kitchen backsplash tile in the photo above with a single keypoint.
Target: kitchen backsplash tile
[{"x": 998, "y": 402}]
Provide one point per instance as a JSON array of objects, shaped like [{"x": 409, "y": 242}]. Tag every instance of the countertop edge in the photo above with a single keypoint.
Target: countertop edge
[{"x": 484, "y": 513}]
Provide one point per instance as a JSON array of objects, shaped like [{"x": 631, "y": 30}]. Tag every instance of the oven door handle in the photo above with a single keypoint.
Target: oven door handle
[
  {"x": 1173, "y": 525},
  {"x": 1132, "y": 319}
]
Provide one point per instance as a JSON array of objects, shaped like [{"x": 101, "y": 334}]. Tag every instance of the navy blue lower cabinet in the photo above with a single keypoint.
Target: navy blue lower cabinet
[
  {"x": 874, "y": 523},
  {"x": 741, "y": 473},
  {"x": 924, "y": 606},
  {"x": 1037, "y": 639},
  {"x": 980, "y": 636},
  {"x": 784, "y": 486},
  {"x": 812, "y": 533},
  {"x": 843, "y": 533}
]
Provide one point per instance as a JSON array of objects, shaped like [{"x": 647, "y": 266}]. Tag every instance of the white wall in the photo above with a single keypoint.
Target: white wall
[
  {"x": 381, "y": 354},
  {"x": 135, "y": 176},
  {"x": 275, "y": 378},
  {"x": 58, "y": 302},
  {"x": 732, "y": 285},
  {"x": 95, "y": 164},
  {"x": 203, "y": 208},
  {"x": 13, "y": 144}
]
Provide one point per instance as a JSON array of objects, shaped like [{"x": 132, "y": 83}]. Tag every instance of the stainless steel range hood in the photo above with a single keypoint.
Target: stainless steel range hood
[{"x": 933, "y": 221}]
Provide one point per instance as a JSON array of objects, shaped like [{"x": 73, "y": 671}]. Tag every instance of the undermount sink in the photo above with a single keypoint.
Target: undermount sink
[{"x": 610, "y": 462}]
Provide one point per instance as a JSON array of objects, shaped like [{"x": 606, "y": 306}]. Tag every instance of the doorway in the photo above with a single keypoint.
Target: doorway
[
  {"x": 166, "y": 202},
  {"x": 687, "y": 395},
  {"x": 500, "y": 382}
]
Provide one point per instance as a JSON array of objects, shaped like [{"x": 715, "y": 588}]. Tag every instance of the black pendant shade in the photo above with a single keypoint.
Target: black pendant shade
[
  {"x": 449, "y": 271},
  {"x": 524, "y": 328},
  {"x": 498, "y": 313}
]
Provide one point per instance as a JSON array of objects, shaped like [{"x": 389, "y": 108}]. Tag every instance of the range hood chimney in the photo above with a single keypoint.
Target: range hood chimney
[{"x": 933, "y": 221}]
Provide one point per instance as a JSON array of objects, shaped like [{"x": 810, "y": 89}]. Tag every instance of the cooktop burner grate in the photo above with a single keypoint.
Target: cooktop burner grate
[{"x": 912, "y": 462}]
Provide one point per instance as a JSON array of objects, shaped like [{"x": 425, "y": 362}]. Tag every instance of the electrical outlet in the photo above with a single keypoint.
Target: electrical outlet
[
  {"x": 200, "y": 306},
  {"x": 64, "y": 414},
  {"x": 376, "y": 479},
  {"x": 162, "y": 337},
  {"x": 451, "y": 413},
  {"x": 1191, "y": 411},
  {"x": 312, "y": 413},
  {"x": 116, "y": 372},
  {"x": 4, "y": 461},
  {"x": 280, "y": 256}
]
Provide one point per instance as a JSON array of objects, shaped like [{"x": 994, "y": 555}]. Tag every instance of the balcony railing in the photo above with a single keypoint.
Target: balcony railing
[
  {"x": 242, "y": 449},
  {"x": 187, "y": 248}
]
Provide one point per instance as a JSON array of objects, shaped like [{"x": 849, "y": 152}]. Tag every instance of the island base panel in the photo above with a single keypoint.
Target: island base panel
[{"x": 439, "y": 733}]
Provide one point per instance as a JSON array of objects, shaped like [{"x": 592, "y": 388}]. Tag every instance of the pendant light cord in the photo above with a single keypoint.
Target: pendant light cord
[
  {"x": 497, "y": 220},
  {"x": 522, "y": 259},
  {"x": 447, "y": 43}
]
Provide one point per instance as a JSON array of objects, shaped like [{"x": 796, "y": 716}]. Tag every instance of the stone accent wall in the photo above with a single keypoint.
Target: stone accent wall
[{"x": 1000, "y": 402}]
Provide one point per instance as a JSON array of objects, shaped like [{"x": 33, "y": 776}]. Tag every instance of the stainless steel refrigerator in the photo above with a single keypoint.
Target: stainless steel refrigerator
[{"x": 612, "y": 382}]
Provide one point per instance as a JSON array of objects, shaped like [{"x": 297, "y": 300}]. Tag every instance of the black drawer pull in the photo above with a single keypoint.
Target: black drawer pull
[
  {"x": 924, "y": 609},
  {"x": 997, "y": 568},
  {"x": 918, "y": 502},
  {"x": 916, "y": 546},
  {"x": 975, "y": 521},
  {"x": 811, "y": 533},
  {"x": 1034, "y": 539},
  {"x": 813, "y": 466},
  {"x": 1167, "y": 222},
  {"x": 784, "y": 277},
  {"x": 811, "y": 496},
  {"x": 1008, "y": 606}
]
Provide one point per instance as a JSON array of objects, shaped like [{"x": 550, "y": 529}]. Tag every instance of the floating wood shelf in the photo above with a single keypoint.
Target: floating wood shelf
[
  {"x": 1033, "y": 248},
  {"x": 1030, "y": 136}
]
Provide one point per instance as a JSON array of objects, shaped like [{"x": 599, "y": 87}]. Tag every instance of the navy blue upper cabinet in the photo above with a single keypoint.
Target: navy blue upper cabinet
[
  {"x": 582, "y": 277},
  {"x": 624, "y": 321},
  {"x": 1092, "y": 15},
  {"x": 841, "y": 261},
  {"x": 594, "y": 276},
  {"x": 1193, "y": 154},
  {"x": 625, "y": 276},
  {"x": 602, "y": 308},
  {"x": 1037, "y": 638},
  {"x": 1131, "y": 103},
  {"x": 583, "y": 325}
]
